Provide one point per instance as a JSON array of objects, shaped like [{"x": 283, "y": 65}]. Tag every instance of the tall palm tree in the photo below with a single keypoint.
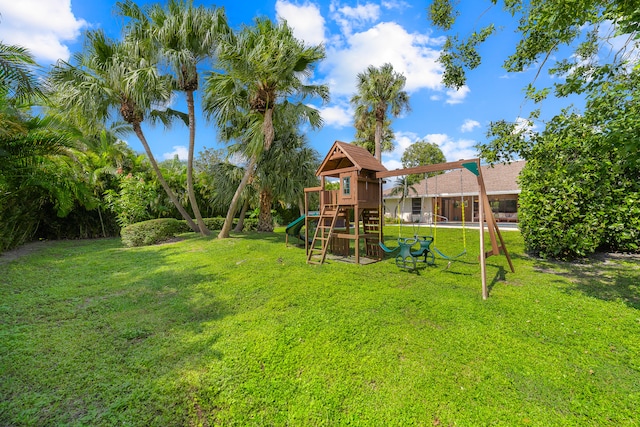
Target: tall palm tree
[
  {"x": 264, "y": 69},
  {"x": 294, "y": 163},
  {"x": 117, "y": 76},
  {"x": 365, "y": 125},
  {"x": 380, "y": 91},
  {"x": 185, "y": 36}
]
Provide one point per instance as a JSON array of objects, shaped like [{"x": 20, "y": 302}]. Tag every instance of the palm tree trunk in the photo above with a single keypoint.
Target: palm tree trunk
[
  {"x": 190, "y": 190},
  {"x": 138, "y": 131},
  {"x": 243, "y": 214},
  {"x": 104, "y": 233},
  {"x": 265, "y": 220},
  {"x": 228, "y": 221},
  {"x": 378, "y": 141},
  {"x": 267, "y": 129}
]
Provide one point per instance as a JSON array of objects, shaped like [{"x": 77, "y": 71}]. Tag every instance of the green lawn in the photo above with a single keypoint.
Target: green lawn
[{"x": 244, "y": 332}]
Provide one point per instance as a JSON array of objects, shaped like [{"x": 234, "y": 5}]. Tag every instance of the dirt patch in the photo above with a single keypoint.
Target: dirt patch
[{"x": 26, "y": 249}]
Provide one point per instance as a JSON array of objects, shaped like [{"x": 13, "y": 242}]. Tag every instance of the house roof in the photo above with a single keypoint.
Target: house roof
[
  {"x": 498, "y": 179},
  {"x": 344, "y": 155}
]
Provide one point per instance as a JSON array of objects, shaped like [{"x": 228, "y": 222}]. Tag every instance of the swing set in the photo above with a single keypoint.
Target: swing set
[
  {"x": 349, "y": 221},
  {"x": 408, "y": 258},
  {"x": 428, "y": 246}
]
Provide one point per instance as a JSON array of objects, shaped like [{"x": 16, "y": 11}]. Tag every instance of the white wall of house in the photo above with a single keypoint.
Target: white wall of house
[{"x": 406, "y": 211}]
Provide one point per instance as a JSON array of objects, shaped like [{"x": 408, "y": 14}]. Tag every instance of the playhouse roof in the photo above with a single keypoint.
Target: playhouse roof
[{"x": 343, "y": 155}]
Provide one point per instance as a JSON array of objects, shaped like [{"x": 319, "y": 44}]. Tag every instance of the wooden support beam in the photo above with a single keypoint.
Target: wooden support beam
[
  {"x": 338, "y": 171},
  {"x": 427, "y": 168}
]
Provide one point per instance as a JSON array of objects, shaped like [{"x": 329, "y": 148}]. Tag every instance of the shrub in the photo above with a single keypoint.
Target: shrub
[
  {"x": 250, "y": 224},
  {"x": 578, "y": 197},
  {"x": 150, "y": 232}
]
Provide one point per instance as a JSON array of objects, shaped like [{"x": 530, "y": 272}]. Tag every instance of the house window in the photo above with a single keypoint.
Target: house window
[
  {"x": 416, "y": 206},
  {"x": 346, "y": 186}
]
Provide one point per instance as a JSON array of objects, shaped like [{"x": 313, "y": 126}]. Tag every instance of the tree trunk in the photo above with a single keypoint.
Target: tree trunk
[
  {"x": 138, "y": 131},
  {"x": 228, "y": 222},
  {"x": 190, "y": 189},
  {"x": 267, "y": 129},
  {"x": 243, "y": 214},
  {"x": 301, "y": 206},
  {"x": 378, "y": 141},
  {"x": 265, "y": 220},
  {"x": 104, "y": 233}
]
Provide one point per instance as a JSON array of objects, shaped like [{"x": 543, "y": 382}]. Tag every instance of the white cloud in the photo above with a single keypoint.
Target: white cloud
[
  {"x": 42, "y": 26},
  {"x": 391, "y": 4},
  {"x": 306, "y": 21},
  {"x": 457, "y": 96},
  {"x": 410, "y": 54},
  {"x": 453, "y": 150},
  {"x": 392, "y": 164},
  {"x": 469, "y": 125},
  {"x": 178, "y": 150},
  {"x": 348, "y": 17},
  {"x": 337, "y": 116}
]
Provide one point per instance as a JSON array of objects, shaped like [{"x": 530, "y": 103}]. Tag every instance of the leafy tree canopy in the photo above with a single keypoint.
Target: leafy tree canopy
[
  {"x": 422, "y": 153},
  {"x": 545, "y": 26}
]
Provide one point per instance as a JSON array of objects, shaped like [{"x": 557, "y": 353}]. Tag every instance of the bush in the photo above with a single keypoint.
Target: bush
[
  {"x": 577, "y": 197},
  {"x": 250, "y": 224},
  {"x": 150, "y": 232}
]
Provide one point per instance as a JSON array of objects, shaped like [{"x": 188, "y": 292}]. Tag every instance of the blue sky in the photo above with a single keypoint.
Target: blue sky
[{"x": 356, "y": 34}]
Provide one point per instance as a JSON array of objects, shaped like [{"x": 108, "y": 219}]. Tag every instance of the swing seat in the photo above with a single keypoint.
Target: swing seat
[
  {"x": 447, "y": 257},
  {"x": 424, "y": 250},
  {"x": 405, "y": 259},
  {"x": 387, "y": 250}
]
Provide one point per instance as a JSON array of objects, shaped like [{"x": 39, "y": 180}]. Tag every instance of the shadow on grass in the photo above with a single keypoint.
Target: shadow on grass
[
  {"x": 608, "y": 277},
  {"x": 260, "y": 235}
]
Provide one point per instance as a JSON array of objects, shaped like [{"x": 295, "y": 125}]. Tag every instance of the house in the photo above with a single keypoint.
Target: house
[{"x": 440, "y": 198}]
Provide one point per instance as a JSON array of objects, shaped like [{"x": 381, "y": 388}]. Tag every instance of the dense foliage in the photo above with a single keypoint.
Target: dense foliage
[
  {"x": 580, "y": 190},
  {"x": 581, "y": 185},
  {"x": 67, "y": 172}
]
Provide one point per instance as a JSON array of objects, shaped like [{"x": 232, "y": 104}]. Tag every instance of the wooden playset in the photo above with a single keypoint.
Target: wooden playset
[{"x": 350, "y": 219}]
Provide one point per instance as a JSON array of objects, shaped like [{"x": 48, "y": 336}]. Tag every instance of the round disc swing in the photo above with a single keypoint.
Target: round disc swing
[{"x": 434, "y": 225}]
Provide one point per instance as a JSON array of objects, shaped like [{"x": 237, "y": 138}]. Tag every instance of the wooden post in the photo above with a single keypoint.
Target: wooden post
[{"x": 483, "y": 259}]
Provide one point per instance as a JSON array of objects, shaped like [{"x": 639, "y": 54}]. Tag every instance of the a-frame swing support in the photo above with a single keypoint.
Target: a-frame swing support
[{"x": 486, "y": 214}]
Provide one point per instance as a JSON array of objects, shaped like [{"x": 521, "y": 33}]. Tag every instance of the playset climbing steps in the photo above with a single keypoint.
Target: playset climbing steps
[{"x": 324, "y": 231}]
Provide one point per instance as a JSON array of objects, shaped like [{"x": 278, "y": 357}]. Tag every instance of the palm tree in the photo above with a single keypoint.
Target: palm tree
[
  {"x": 39, "y": 168},
  {"x": 263, "y": 68},
  {"x": 380, "y": 90},
  {"x": 111, "y": 76},
  {"x": 295, "y": 164},
  {"x": 185, "y": 35},
  {"x": 404, "y": 188},
  {"x": 18, "y": 81},
  {"x": 365, "y": 125}
]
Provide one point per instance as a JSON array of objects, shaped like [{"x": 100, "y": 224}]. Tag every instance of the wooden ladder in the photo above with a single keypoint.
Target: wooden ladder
[
  {"x": 323, "y": 234},
  {"x": 371, "y": 224}
]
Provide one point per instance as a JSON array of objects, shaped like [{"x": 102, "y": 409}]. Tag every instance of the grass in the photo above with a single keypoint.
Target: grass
[{"x": 243, "y": 332}]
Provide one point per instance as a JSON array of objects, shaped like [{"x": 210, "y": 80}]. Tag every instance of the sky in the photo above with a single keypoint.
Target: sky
[{"x": 356, "y": 34}]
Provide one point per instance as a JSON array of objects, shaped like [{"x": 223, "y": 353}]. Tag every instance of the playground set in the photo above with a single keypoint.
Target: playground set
[{"x": 353, "y": 213}]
